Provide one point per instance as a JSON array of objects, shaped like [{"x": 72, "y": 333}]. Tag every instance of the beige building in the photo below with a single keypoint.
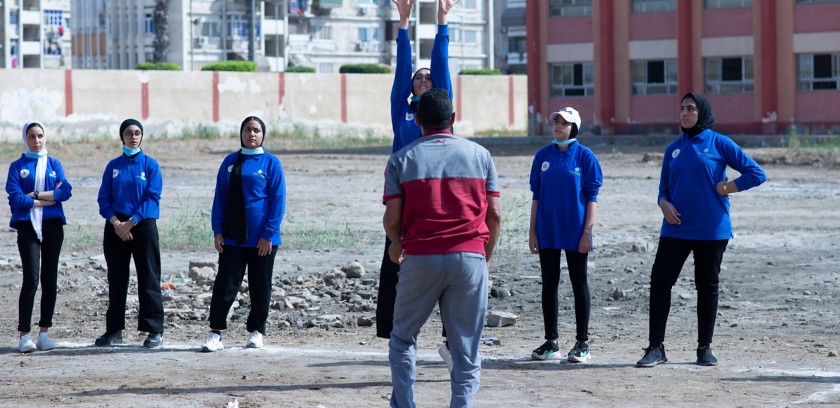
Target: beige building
[{"x": 34, "y": 34}]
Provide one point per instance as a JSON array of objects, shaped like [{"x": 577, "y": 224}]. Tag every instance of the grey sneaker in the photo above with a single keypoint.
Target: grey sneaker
[
  {"x": 153, "y": 340},
  {"x": 653, "y": 356},
  {"x": 109, "y": 338},
  {"x": 705, "y": 356}
]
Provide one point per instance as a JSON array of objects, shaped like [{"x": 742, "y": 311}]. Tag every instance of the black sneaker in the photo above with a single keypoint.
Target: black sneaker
[
  {"x": 579, "y": 353},
  {"x": 705, "y": 356},
  {"x": 154, "y": 340},
  {"x": 653, "y": 356},
  {"x": 545, "y": 351},
  {"x": 109, "y": 338}
]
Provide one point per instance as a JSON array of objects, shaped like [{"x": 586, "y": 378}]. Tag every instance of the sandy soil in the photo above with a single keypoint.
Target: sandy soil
[{"x": 777, "y": 336}]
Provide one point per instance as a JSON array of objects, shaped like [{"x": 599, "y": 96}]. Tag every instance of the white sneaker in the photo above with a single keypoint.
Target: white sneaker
[
  {"x": 443, "y": 350},
  {"x": 254, "y": 340},
  {"x": 26, "y": 344},
  {"x": 213, "y": 342},
  {"x": 45, "y": 342}
]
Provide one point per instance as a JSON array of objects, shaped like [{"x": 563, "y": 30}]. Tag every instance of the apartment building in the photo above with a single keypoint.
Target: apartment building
[
  {"x": 512, "y": 56},
  {"x": 34, "y": 34},
  {"x": 322, "y": 34},
  {"x": 763, "y": 64}
]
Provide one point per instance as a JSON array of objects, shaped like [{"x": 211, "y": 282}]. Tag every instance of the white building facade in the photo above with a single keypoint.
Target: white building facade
[
  {"x": 322, "y": 34},
  {"x": 34, "y": 34}
]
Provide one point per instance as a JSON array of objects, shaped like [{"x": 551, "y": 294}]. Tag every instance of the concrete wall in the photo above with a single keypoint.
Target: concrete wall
[{"x": 92, "y": 103}]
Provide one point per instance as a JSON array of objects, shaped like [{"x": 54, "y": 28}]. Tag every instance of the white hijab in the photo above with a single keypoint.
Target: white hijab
[{"x": 36, "y": 214}]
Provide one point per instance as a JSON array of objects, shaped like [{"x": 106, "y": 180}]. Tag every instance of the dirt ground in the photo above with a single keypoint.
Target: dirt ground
[{"x": 777, "y": 336}]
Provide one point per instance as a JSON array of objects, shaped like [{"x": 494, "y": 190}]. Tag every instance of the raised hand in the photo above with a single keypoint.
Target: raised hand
[
  {"x": 404, "y": 8},
  {"x": 443, "y": 9}
]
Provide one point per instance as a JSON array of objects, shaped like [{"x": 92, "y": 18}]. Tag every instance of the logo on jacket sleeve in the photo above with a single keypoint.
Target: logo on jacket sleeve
[
  {"x": 409, "y": 116},
  {"x": 24, "y": 173},
  {"x": 142, "y": 176},
  {"x": 230, "y": 169},
  {"x": 52, "y": 174},
  {"x": 545, "y": 166},
  {"x": 115, "y": 173},
  {"x": 675, "y": 153}
]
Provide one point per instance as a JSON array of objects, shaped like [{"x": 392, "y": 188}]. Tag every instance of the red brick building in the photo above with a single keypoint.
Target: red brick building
[{"x": 624, "y": 64}]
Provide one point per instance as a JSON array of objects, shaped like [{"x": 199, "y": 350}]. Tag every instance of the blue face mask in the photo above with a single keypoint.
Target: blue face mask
[
  {"x": 563, "y": 143},
  {"x": 38, "y": 155},
  {"x": 251, "y": 152},
  {"x": 131, "y": 152}
]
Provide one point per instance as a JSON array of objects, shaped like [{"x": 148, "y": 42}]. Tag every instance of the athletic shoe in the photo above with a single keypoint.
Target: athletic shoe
[
  {"x": 26, "y": 344},
  {"x": 254, "y": 340},
  {"x": 705, "y": 356},
  {"x": 153, "y": 340},
  {"x": 109, "y": 338},
  {"x": 546, "y": 351},
  {"x": 443, "y": 350},
  {"x": 653, "y": 356},
  {"x": 45, "y": 342},
  {"x": 213, "y": 342},
  {"x": 579, "y": 353}
]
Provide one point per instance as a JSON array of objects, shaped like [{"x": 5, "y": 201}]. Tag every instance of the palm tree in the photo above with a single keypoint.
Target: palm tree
[{"x": 161, "y": 23}]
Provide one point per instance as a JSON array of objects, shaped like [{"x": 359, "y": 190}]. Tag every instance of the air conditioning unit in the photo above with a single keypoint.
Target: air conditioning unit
[
  {"x": 200, "y": 42},
  {"x": 363, "y": 11},
  {"x": 359, "y": 47}
]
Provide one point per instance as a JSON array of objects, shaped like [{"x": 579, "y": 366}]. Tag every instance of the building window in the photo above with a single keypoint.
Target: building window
[
  {"x": 13, "y": 17},
  {"x": 150, "y": 23},
  {"x": 654, "y": 6},
  {"x": 237, "y": 27},
  {"x": 470, "y": 37},
  {"x": 571, "y": 8},
  {"x": 53, "y": 18},
  {"x": 322, "y": 33},
  {"x": 368, "y": 34},
  {"x": 818, "y": 71},
  {"x": 572, "y": 79},
  {"x": 517, "y": 44},
  {"x": 470, "y": 4},
  {"x": 655, "y": 77},
  {"x": 729, "y": 75},
  {"x": 712, "y": 4},
  {"x": 325, "y": 68}
]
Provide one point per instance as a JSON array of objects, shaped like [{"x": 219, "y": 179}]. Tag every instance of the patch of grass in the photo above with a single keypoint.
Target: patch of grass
[
  {"x": 302, "y": 137},
  {"x": 497, "y": 132},
  {"x": 189, "y": 231},
  {"x": 82, "y": 237},
  {"x": 513, "y": 239},
  {"x": 311, "y": 235}
]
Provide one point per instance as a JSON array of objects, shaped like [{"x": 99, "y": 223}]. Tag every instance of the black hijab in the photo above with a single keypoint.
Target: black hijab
[
  {"x": 235, "y": 225},
  {"x": 415, "y": 99},
  {"x": 705, "y": 119}
]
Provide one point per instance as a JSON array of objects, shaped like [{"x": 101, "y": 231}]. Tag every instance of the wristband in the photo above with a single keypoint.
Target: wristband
[{"x": 36, "y": 194}]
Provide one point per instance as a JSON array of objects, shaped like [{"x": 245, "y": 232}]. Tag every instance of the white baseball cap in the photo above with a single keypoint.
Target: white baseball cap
[{"x": 568, "y": 113}]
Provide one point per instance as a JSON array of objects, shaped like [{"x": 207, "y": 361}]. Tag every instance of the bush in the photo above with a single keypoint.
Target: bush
[
  {"x": 484, "y": 71},
  {"x": 238, "y": 66},
  {"x": 300, "y": 68},
  {"x": 364, "y": 69},
  {"x": 158, "y": 66}
]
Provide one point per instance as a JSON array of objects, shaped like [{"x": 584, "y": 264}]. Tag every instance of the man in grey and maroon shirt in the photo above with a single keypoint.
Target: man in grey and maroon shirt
[{"x": 443, "y": 216}]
